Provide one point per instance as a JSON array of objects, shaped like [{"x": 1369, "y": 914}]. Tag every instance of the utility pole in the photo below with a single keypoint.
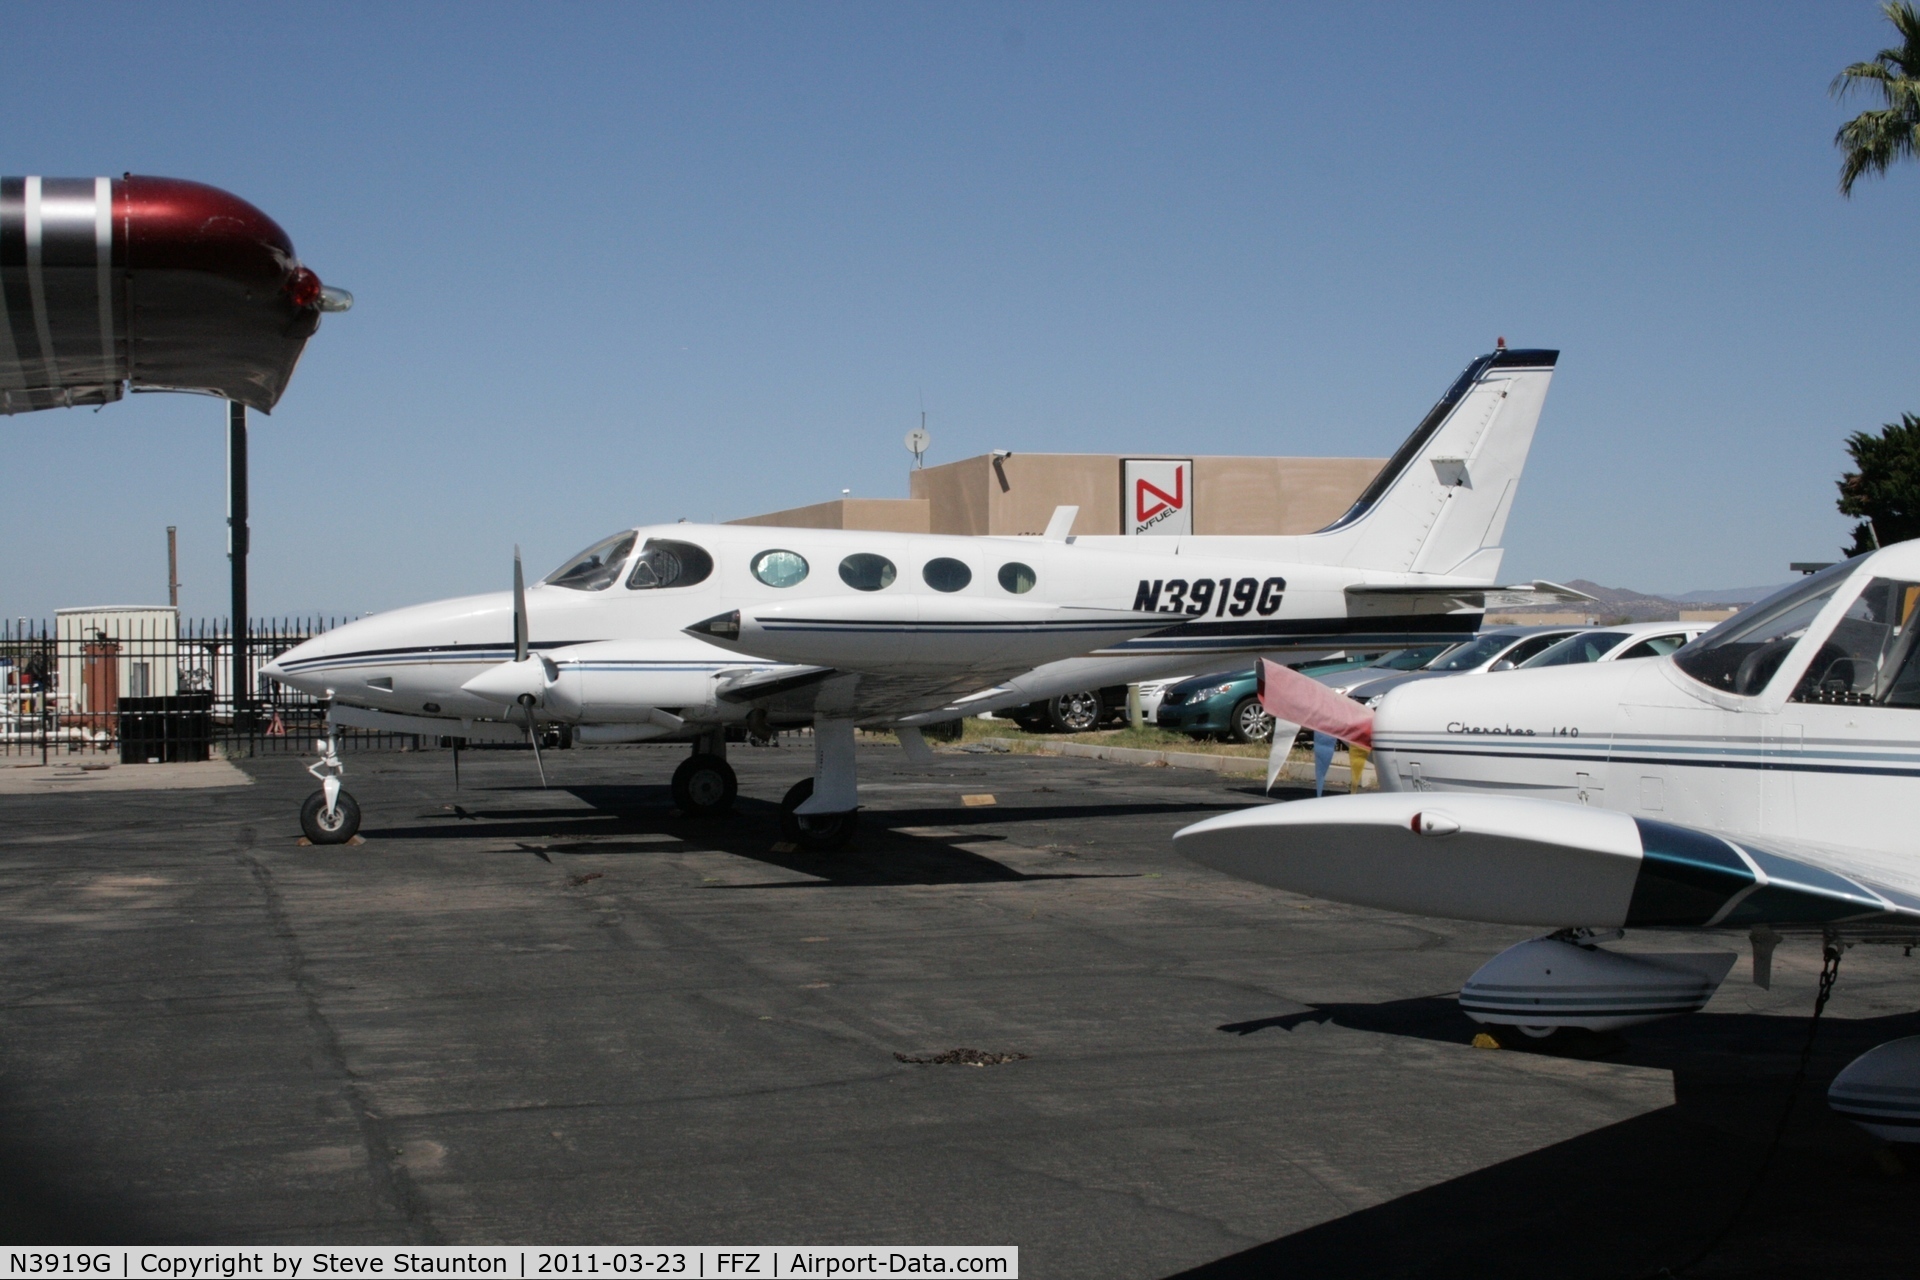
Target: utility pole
[
  {"x": 173, "y": 567},
  {"x": 237, "y": 555}
]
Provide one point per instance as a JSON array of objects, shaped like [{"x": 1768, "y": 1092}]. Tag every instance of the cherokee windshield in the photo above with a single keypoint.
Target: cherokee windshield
[{"x": 1742, "y": 653}]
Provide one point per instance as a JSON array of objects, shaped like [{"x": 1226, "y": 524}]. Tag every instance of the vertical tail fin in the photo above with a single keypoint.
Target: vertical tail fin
[{"x": 1440, "y": 504}]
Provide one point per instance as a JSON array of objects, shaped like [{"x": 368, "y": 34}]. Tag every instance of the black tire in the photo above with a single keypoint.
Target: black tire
[
  {"x": 704, "y": 785},
  {"x": 1074, "y": 712},
  {"x": 1249, "y": 721},
  {"x": 816, "y": 833},
  {"x": 344, "y": 825}
]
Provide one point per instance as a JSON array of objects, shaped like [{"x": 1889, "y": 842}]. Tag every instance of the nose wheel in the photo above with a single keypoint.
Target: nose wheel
[
  {"x": 335, "y": 825},
  {"x": 814, "y": 832},
  {"x": 330, "y": 815},
  {"x": 704, "y": 785}
]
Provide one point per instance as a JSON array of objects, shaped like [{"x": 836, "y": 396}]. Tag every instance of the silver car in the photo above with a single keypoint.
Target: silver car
[{"x": 1495, "y": 649}]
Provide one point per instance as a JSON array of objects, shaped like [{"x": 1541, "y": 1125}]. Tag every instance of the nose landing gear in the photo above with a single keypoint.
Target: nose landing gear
[{"x": 330, "y": 815}]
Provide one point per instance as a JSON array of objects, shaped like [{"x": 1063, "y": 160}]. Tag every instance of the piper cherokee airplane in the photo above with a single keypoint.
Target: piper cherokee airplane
[
  {"x": 840, "y": 629},
  {"x": 1760, "y": 779}
]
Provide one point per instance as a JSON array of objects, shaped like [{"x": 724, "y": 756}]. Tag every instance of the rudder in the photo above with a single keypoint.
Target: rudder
[{"x": 1440, "y": 504}]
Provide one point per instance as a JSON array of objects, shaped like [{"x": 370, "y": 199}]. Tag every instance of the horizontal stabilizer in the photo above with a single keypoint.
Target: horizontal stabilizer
[{"x": 1423, "y": 598}]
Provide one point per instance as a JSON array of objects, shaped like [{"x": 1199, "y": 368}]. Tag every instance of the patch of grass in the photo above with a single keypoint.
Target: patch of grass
[{"x": 1150, "y": 738}]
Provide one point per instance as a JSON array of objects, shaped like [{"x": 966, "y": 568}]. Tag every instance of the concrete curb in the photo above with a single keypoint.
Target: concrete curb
[{"x": 1296, "y": 771}]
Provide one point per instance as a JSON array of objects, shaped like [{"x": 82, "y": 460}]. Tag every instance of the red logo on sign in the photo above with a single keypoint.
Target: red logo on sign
[{"x": 1167, "y": 501}]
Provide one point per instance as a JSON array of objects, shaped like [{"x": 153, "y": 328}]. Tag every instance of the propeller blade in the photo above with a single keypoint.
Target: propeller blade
[
  {"x": 533, "y": 740},
  {"x": 519, "y": 610}
]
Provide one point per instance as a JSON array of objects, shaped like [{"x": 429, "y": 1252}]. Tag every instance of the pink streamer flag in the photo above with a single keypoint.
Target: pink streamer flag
[{"x": 1289, "y": 696}]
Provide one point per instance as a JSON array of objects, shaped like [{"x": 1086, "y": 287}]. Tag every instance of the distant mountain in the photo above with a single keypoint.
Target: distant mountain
[
  {"x": 1639, "y": 606},
  {"x": 1624, "y": 602}
]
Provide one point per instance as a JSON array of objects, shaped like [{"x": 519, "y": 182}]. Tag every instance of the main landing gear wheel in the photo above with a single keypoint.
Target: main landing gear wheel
[
  {"x": 814, "y": 832},
  {"x": 704, "y": 784},
  {"x": 337, "y": 827}
]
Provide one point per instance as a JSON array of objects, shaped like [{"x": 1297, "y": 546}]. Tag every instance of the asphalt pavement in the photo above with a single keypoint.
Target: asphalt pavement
[{"x": 573, "y": 1016}]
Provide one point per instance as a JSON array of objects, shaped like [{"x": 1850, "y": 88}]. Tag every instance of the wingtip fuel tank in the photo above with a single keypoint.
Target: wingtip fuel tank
[{"x": 150, "y": 283}]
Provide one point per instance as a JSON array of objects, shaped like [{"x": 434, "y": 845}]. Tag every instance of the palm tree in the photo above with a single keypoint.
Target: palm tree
[{"x": 1873, "y": 140}]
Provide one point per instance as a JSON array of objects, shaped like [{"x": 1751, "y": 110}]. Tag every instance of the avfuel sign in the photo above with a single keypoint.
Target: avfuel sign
[{"x": 1158, "y": 495}]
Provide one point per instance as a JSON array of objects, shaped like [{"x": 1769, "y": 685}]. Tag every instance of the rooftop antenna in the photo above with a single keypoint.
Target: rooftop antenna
[{"x": 918, "y": 441}]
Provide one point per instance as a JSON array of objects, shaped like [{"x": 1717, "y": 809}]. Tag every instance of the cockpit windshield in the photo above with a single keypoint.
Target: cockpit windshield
[
  {"x": 596, "y": 568},
  {"x": 1742, "y": 653}
]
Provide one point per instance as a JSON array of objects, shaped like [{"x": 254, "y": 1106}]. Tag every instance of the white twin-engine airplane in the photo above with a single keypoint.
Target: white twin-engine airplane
[
  {"x": 1761, "y": 779},
  {"x": 840, "y": 629}
]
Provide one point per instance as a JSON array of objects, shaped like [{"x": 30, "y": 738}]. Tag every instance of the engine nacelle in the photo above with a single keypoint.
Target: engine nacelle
[
  {"x": 1880, "y": 1090},
  {"x": 1549, "y": 983}
]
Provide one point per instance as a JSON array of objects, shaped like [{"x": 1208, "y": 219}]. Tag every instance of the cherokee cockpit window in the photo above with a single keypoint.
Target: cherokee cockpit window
[
  {"x": 1868, "y": 658},
  {"x": 1741, "y": 654},
  {"x": 663, "y": 562},
  {"x": 596, "y": 568}
]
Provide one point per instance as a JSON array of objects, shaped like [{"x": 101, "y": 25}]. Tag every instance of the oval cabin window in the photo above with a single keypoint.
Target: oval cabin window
[
  {"x": 780, "y": 568},
  {"x": 865, "y": 572},
  {"x": 946, "y": 574},
  {"x": 1017, "y": 578}
]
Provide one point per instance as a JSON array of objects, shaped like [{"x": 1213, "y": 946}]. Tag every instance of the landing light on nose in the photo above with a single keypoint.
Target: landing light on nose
[
  {"x": 723, "y": 626},
  {"x": 1433, "y": 824}
]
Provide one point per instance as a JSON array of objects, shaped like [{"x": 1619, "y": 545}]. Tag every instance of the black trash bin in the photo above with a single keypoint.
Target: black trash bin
[{"x": 173, "y": 729}]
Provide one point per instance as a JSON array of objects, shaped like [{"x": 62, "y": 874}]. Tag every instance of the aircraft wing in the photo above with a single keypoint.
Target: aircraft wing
[
  {"x": 1516, "y": 860},
  {"x": 877, "y": 660},
  {"x": 1364, "y": 598}
]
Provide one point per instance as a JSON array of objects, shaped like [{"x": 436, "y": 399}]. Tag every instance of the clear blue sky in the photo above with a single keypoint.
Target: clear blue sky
[{"x": 626, "y": 263}]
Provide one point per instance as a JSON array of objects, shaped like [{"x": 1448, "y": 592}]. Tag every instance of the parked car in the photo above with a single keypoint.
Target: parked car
[
  {"x": 1224, "y": 703},
  {"x": 1618, "y": 644},
  {"x": 1151, "y": 692},
  {"x": 1495, "y": 649},
  {"x": 1071, "y": 712},
  {"x": 1347, "y": 676}
]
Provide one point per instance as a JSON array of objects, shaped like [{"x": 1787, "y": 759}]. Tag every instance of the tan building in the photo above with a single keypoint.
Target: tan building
[{"x": 1016, "y": 493}]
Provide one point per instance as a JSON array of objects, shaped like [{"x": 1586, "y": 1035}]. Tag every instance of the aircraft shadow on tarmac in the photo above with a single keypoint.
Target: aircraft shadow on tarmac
[
  {"x": 1647, "y": 1193},
  {"x": 628, "y": 820}
]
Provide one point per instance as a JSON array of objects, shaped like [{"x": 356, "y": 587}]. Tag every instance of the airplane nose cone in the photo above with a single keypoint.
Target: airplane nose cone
[{"x": 287, "y": 668}]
